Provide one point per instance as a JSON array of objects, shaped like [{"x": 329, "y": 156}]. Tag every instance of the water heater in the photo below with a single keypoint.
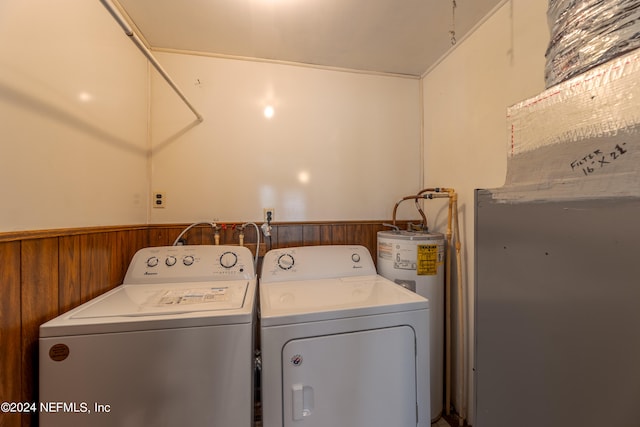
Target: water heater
[{"x": 415, "y": 260}]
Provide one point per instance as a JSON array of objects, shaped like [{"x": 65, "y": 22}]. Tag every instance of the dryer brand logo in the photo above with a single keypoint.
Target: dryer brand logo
[{"x": 296, "y": 360}]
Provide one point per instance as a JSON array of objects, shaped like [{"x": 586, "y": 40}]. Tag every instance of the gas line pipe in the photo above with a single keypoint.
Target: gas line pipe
[{"x": 452, "y": 217}]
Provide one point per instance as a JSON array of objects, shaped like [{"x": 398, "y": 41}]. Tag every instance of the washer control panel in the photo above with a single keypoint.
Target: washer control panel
[
  {"x": 170, "y": 264},
  {"x": 316, "y": 262}
]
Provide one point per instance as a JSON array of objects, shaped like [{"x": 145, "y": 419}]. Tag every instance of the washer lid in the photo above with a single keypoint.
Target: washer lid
[
  {"x": 284, "y": 303},
  {"x": 166, "y": 299},
  {"x": 158, "y": 306}
]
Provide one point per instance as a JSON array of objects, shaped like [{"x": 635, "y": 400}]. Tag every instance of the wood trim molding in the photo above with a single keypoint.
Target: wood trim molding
[{"x": 12, "y": 236}]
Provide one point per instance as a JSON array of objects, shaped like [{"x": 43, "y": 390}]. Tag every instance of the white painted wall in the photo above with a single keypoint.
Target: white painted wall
[
  {"x": 465, "y": 130},
  {"x": 340, "y": 145},
  {"x": 65, "y": 161}
]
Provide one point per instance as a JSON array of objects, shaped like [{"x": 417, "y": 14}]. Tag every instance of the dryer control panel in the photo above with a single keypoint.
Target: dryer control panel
[
  {"x": 190, "y": 263},
  {"x": 316, "y": 262}
]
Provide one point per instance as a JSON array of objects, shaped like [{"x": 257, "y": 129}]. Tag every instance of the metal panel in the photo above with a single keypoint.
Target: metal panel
[{"x": 557, "y": 299}]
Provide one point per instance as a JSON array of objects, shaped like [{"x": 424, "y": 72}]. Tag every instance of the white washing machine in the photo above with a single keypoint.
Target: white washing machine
[
  {"x": 171, "y": 346},
  {"x": 341, "y": 345}
]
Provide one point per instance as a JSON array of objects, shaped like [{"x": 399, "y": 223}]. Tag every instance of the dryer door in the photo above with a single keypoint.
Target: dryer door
[{"x": 357, "y": 379}]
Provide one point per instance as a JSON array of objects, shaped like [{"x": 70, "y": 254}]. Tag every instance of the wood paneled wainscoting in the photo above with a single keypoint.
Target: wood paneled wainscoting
[{"x": 45, "y": 273}]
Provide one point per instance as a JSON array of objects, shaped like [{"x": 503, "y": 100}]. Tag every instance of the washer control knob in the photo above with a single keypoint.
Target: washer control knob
[
  {"x": 286, "y": 261},
  {"x": 170, "y": 261},
  {"x": 228, "y": 259},
  {"x": 152, "y": 261},
  {"x": 188, "y": 260},
  {"x": 355, "y": 257}
]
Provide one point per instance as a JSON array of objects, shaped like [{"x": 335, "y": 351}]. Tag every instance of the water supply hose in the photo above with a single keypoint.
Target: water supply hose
[
  {"x": 216, "y": 230},
  {"x": 255, "y": 259},
  {"x": 212, "y": 224}
]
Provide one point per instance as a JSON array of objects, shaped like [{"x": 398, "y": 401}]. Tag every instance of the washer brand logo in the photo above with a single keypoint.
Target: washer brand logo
[
  {"x": 59, "y": 352},
  {"x": 296, "y": 360},
  {"x": 357, "y": 266},
  {"x": 147, "y": 273}
]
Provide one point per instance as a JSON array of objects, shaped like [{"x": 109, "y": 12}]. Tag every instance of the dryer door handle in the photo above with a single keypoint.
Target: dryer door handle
[{"x": 302, "y": 403}]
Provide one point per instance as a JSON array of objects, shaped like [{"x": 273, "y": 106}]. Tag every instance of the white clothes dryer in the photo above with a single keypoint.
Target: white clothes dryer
[
  {"x": 341, "y": 345},
  {"x": 173, "y": 345}
]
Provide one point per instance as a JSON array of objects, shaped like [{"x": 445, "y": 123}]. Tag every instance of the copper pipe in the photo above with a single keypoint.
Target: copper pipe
[{"x": 415, "y": 197}]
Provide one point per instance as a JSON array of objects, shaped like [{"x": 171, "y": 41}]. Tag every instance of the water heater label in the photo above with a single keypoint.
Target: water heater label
[
  {"x": 404, "y": 257},
  {"x": 385, "y": 250},
  {"x": 429, "y": 258}
]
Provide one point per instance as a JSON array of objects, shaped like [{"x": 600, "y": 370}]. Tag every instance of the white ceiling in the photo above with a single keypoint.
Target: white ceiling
[{"x": 388, "y": 36}]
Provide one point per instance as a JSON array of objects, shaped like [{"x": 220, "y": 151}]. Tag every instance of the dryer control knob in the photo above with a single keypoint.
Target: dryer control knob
[
  {"x": 355, "y": 257},
  {"x": 286, "y": 261},
  {"x": 188, "y": 260},
  {"x": 152, "y": 262},
  {"x": 170, "y": 261}
]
